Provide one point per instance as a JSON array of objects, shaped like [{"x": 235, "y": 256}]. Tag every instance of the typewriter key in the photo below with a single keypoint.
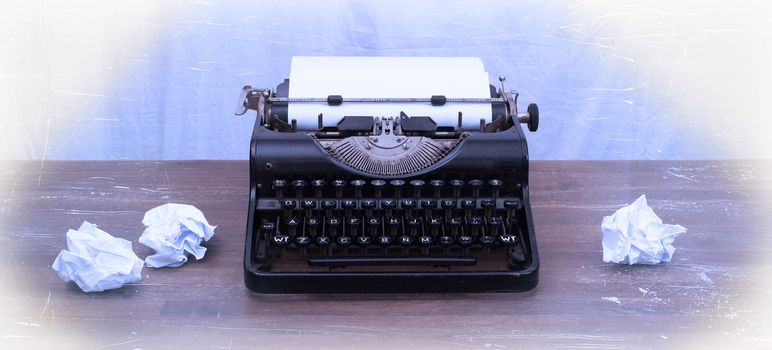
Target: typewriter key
[
  {"x": 417, "y": 185},
  {"x": 488, "y": 205},
  {"x": 278, "y": 186},
  {"x": 495, "y": 186},
  {"x": 328, "y": 206},
  {"x": 476, "y": 185},
  {"x": 318, "y": 186},
  {"x": 456, "y": 185},
  {"x": 299, "y": 186},
  {"x": 358, "y": 185},
  {"x": 280, "y": 241},
  {"x": 388, "y": 205},
  {"x": 512, "y": 206},
  {"x": 378, "y": 187},
  {"x": 344, "y": 241},
  {"x": 397, "y": 184},
  {"x": 468, "y": 205},
  {"x": 437, "y": 187},
  {"x": 408, "y": 205},
  {"x": 363, "y": 241},
  {"x": 352, "y": 227},
  {"x": 339, "y": 185}
]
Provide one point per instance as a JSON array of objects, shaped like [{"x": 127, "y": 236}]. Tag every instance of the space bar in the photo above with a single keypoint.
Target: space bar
[{"x": 330, "y": 261}]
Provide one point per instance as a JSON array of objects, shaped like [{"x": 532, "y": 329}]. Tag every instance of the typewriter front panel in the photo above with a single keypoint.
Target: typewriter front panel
[{"x": 318, "y": 224}]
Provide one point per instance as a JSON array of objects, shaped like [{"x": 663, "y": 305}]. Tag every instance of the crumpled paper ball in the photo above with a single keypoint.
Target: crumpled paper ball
[
  {"x": 97, "y": 261},
  {"x": 174, "y": 231},
  {"x": 636, "y": 235}
]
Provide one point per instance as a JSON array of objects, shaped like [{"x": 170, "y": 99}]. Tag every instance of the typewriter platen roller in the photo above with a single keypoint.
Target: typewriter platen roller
[{"x": 402, "y": 192}]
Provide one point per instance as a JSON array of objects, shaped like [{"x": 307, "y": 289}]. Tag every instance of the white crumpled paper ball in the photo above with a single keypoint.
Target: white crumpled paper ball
[
  {"x": 97, "y": 261},
  {"x": 636, "y": 235},
  {"x": 174, "y": 231}
]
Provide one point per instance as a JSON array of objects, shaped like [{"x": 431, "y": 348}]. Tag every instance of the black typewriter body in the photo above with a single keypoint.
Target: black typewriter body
[{"x": 384, "y": 204}]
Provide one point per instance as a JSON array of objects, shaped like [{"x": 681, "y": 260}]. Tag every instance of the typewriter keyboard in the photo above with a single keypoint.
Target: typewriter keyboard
[{"x": 412, "y": 222}]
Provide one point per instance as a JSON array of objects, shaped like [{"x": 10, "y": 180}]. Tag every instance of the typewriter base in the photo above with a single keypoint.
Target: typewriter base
[{"x": 393, "y": 282}]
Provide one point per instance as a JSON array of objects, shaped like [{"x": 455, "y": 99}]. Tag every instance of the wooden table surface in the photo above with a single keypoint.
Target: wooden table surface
[{"x": 715, "y": 293}]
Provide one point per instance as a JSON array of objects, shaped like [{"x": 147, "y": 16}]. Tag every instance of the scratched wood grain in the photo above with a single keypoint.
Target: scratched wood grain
[{"x": 713, "y": 294}]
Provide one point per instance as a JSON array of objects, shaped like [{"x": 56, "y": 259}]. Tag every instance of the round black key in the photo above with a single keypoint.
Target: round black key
[
  {"x": 437, "y": 186},
  {"x": 348, "y": 204},
  {"x": 308, "y": 204},
  {"x": 328, "y": 206},
  {"x": 456, "y": 185},
  {"x": 495, "y": 185},
  {"x": 487, "y": 240},
  {"x": 417, "y": 184},
  {"x": 292, "y": 222},
  {"x": 268, "y": 227},
  {"x": 332, "y": 226},
  {"x": 512, "y": 207},
  {"x": 405, "y": 240},
  {"x": 494, "y": 224},
  {"x": 338, "y": 185},
  {"x": 278, "y": 185},
  {"x": 302, "y": 241},
  {"x": 454, "y": 224},
  {"x": 397, "y": 184},
  {"x": 468, "y": 204},
  {"x": 289, "y": 204},
  {"x": 354, "y": 221},
  {"x": 488, "y": 205},
  {"x": 445, "y": 241},
  {"x": 363, "y": 241},
  {"x": 384, "y": 241},
  {"x": 425, "y": 241},
  {"x": 388, "y": 204},
  {"x": 377, "y": 187},
  {"x": 323, "y": 241},
  {"x": 280, "y": 240},
  {"x": 465, "y": 241},
  {"x": 408, "y": 204},
  {"x": 374, "y": 221},
  {"x": 358, "y": 185},
  {"x": 507, "y": 240},
  {"x": 344, "y": 241},
  {"x": 413, "y": 224},
  {"x": 476, "y": 185},
  {"x": 299, "y": 186},
  {"x": 448, "y": 204},
  {"x": 393, "y": 224},
  {"x": 311, "y": 225},
  {"x": 353, "y": 225},
  {"x": 474, "y": 224},
  {"x": 428, "y": 204},
  {"x": 367, "y": 204},
  {"x": 318, "y": 186}
]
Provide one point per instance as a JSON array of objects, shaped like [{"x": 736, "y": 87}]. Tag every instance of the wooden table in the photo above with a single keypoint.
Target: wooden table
[{"x": 716, "y": 292}]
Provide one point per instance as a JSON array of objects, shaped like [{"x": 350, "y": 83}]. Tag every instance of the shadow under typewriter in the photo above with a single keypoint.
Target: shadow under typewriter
[{"x": 388, "y": 204}]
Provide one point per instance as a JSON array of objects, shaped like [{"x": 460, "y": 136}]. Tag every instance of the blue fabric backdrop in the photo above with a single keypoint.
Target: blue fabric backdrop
[{"x": 159, "y": 80}]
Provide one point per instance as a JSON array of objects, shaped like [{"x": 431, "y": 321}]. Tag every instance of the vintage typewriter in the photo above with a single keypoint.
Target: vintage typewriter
[{"x": 388, "y": 203}]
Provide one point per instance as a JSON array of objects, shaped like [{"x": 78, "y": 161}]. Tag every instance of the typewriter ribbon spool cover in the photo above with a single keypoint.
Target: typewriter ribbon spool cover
[{"x": 388, "y": 174}]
